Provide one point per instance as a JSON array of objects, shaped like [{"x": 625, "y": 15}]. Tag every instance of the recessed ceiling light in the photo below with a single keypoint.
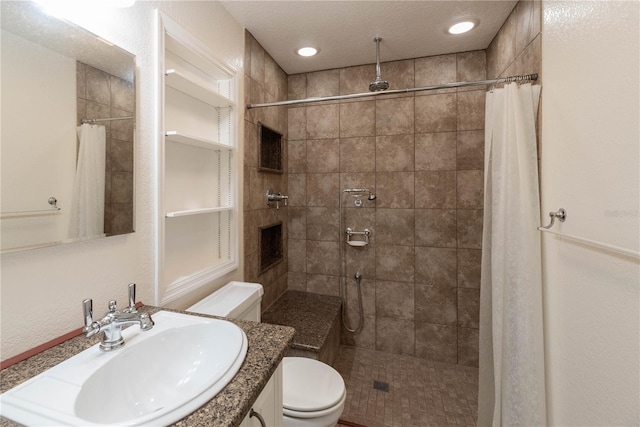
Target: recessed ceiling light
[
  {"x": 461, "y": 27},
  {"x": 307, "y": 51}
]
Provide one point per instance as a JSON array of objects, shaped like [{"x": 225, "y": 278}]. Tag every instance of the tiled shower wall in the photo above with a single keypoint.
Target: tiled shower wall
[
  {"x": 422, "y": 155},
  {"x": 102, "y": 95},
  {"x": 264, "y": 81}
]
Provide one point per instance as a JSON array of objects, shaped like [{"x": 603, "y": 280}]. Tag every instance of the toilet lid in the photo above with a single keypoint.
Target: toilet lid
[{"x": 309, "y": 385}]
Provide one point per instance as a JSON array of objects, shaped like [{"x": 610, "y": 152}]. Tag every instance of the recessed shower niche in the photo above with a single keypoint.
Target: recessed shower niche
[
  {"x": 270, "y": 150},
  {"x": 270, "y": 244}
]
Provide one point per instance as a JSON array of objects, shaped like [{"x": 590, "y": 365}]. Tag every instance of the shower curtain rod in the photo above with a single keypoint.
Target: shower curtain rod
[
  {"x": 510, "y": 79},
  {"x": 83, "y": 121}
]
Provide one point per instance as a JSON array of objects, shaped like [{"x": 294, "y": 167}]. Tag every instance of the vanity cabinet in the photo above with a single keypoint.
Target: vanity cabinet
[
  {"x": 268, "y": 404},
  {"x": 198, "y": 212}
]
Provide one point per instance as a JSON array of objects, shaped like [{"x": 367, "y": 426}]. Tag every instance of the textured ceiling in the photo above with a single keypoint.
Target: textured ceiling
[{"x": 344, "y": 30}]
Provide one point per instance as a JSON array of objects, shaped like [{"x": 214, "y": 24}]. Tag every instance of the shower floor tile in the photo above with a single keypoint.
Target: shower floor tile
[{"x": 420, "y": 392}]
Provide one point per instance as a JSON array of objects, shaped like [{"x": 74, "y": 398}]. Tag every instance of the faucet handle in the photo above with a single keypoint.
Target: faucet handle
[
  {"x": 87, "y": 308},
  {"x": 132, "y": 299},
  {"x": 112, "y": 306}
]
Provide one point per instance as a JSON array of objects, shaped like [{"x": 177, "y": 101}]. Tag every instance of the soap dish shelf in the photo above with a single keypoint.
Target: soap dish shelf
[{"x": 358, "y": 243}]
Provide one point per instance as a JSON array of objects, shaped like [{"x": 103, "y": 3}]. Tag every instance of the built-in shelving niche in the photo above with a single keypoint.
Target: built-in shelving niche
[
  {"x": 270, "y": 150},
  {"x": 270, "y": 244}
]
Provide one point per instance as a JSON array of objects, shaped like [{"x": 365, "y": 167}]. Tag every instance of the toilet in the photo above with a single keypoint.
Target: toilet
[{"x": 313, "y": 392}]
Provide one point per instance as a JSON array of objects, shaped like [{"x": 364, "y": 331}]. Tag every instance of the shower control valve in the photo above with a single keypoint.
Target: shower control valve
[{"x": 277, "y": 198}]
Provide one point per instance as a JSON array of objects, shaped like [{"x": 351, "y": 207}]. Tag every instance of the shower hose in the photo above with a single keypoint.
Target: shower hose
[{"x": 343, "y": 295}]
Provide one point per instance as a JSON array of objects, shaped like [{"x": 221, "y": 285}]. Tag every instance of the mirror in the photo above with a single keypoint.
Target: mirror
[{"x": 62, "y": 180}]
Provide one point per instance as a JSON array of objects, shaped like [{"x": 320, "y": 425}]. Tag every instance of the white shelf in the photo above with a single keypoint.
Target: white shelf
[
  {"x": 188, "y": 212},
  {"x": 184, "y": 84},
  {"x": 196, "y": 141}
]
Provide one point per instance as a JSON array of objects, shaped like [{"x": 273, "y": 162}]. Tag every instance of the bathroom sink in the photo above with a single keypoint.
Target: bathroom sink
[{"x": 157, "y": 378}]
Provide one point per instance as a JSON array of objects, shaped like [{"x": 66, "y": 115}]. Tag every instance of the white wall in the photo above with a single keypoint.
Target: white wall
[
  {"x": 42, "y": 290},
  {"x": 38, "y": 161},
  {"x": 590, "y": 166}
]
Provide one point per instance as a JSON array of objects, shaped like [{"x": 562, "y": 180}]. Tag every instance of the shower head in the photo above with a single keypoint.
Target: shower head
[{"x": 379, "y": 84}]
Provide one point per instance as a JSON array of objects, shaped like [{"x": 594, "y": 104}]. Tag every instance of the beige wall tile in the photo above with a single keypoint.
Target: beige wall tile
[
  {"x": 399, "y": 74},
  {"x": 395, "y": 153},
  {"x": 394, "y": 263},
  {"x": 297, "y": 281},
  {"x": 436, "y": 266},
  {"x": 471, "y": 110},
  {"x": 469, "y": 308},
  {"x": 436, "y": 342},
  {"x": 470, "y": 189},
  {"x": 395, "y": 226},
  {"x": 357, "y": 119},
  {"x": 366, "y": 338},
  {"x": 360, "y": 260},
  {"x": 468, "y": 340},
  {"x": 322, "y": 223},
  {"x": 323, "y": 189},
  {"x": 436, "y": 304},
  {"x": 394, "y": 116},
  {"x": 469, "y": 267},
  {"x": 502, "y": 50},
  {"x": 297, "y": 157},
  {"x": 358, "y": 154},
  {"x": 297, "y": 120},
  {"x": 297, "y": 217},
  {"x": 297, "y": 189},
  {"x": 297, "y": 255},
  {"x": 472, "y": 66},
  {"x": 395, "y": 335},
  {"x": 122, "y": 95},
  {"x": 436, "y": 113},
  {"x": 528, "y": 22},
  {"x": 323, "y": 285},
  {"x": 98, "y": 87},
  {"x": 435, "y": 151},
  {"x": 297, "y": 86},
  {"x": 323, "y": 121},
  {"x": 470, "y": 228},
  {"x": 434, "y": 70},
  {"x": 356, "y": 79},
  {"x": 323, "y": 155},
  {"x": 394, "y": 299},
  {"x": 435, "y": 189},
  {"x": 436, "y": 227},
  {"x": 323, "y": 258},
  {"x": 395, "y": 189},
  {"x": 257, "y": 61},
  {"x": 470, "y": 149},
  {"x": 323, "y": 83},
  {"x": 250, "y": 144}
]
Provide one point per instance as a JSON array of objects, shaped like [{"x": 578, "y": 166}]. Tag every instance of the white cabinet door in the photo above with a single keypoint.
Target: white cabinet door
[{"x": 268, "y": 404}]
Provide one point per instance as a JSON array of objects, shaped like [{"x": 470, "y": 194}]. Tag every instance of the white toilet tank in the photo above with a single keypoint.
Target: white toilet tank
[{"x": 236, "y": 300}]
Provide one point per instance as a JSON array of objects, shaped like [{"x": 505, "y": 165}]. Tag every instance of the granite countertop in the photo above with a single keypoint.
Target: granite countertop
[
  {"x": 267, "y": 346},
  {"x": 311, "y": 315}
]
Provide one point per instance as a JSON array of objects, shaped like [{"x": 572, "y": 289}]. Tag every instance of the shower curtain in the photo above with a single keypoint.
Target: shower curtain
[
  {"x": 512, "y": 381},
  {"x": 87, "y": 204}
]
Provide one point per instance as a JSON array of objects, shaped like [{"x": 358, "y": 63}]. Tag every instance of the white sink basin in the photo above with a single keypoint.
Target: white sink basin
[{"x": 157, "y": 378}]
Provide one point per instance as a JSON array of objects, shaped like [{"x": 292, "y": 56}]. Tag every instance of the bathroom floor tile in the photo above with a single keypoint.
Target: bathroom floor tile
[{"x": 421, "y": 392}]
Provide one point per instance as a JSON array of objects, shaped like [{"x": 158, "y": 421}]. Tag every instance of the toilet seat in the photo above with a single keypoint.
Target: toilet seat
[{"x": 310, "y": 388}]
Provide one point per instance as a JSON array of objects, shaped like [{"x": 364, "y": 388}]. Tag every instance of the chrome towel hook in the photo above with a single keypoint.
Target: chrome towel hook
[{"x": 561, "y": 214}]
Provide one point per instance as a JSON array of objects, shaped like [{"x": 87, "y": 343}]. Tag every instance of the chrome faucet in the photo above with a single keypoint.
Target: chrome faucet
[
  {"x": 276, "y": 197},
  {"x": 113, "y": 321}
]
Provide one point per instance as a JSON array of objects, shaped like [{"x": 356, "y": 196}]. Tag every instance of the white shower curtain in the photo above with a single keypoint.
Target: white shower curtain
[
  {"x": 87, "y": 204},
  {"x": 512, "y": 381}
]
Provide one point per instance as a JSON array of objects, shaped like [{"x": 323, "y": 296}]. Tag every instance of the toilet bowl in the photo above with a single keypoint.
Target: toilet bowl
[{"x": 313, "y": 392}]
